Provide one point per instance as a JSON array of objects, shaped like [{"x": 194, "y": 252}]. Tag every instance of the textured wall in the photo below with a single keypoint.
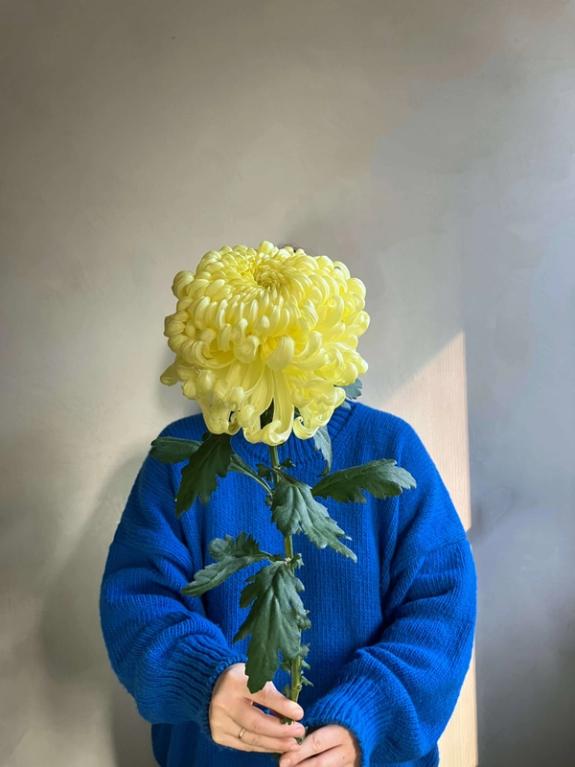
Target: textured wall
[{"x": 430, "y": 146}]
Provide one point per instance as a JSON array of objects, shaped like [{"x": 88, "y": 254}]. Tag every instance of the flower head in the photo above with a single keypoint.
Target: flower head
[{"x": 256, "y": 325}]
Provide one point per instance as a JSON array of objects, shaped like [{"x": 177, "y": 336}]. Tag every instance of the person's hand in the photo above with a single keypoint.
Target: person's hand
[
  {"x": 232, "y": 711},
  {"x": 328, "y": 746}
]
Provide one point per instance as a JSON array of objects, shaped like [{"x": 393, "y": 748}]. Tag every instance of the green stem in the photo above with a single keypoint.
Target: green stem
[
  {"x": 295, "y": 665},
  {"x": 262, "y": 482}
]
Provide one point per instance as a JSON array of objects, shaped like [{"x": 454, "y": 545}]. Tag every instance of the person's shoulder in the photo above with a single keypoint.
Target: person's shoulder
[
  {"x": 383, "y": 425},
  {"x": 190, "y": 426},
  {"x": 388, "y": 434}
]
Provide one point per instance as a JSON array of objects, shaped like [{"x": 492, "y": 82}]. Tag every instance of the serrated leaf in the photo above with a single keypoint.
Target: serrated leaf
[
  {"x": 199, "y": 476},
  {"x": 231, "y": 554},
  {"x": 294, "y": 509},
  {"x": 276, "y": 618},
  {"x": 381, "y": 477},
  {"x": 177, "y": 449}
]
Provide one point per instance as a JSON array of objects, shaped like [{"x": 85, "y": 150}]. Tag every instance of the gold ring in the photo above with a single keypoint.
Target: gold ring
[{"x": 241, "y": 733}]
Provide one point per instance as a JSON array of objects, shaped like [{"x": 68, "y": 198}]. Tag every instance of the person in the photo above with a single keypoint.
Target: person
[{"x": 391, "y": 633}]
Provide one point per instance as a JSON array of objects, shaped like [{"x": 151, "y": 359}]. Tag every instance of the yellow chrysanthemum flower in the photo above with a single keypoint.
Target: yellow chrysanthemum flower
[{"x": 254, "y": 325}]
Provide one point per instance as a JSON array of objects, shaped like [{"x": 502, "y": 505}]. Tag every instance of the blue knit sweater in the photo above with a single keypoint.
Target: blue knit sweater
[{"x": 391, "y": 635}]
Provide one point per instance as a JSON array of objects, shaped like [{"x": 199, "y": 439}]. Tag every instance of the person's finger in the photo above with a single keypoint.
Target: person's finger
[
  {"x": 256, "y": 720},
  {"x": 333, "y": 757},
  {"x": 316, "y": 742},
  {"x": 272, "y": 698},
  {"x": 255, "y": 741},
  {"x": 255, "y": 724},
  {"x": 239, "y": 745}
]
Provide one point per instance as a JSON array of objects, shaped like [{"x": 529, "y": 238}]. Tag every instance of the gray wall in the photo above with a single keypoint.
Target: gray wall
[
  {"x": 428, "y": 145},
  {"x": 517, "y": 234}
]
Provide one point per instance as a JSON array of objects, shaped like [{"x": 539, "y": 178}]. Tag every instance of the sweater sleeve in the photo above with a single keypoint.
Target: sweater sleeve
[
  {"x": 397, "y": 695},
  {"x": 161, "y": 646}
]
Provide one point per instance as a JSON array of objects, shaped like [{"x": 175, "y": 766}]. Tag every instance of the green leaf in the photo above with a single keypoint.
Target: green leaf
[
  {"x": 199, "y": 477},
  {"x": 177, "y": 449},
  {"x": 213, "y": 456},
  {"x": 173, "y": 449},
  {"x": 381, "y": 477},
  {"x": 322, "y": 442},
  {"x": 352, "y": 391},
  {"x": 231, "y": 554},
  {"x": 294, "y": 508},
  {"x": 275, "y": 621}
]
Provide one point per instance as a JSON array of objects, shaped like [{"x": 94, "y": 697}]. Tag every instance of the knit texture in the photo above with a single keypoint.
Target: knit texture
[{"x": 391, "y": 635}]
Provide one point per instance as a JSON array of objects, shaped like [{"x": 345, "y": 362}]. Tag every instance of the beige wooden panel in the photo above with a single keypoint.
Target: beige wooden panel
[{"x": 434, "y": 401}]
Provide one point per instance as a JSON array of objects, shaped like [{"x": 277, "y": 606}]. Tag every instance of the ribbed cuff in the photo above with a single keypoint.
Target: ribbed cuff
[
  {"x": 200, "y": 663},
  {"x": 355, "y": 704}
]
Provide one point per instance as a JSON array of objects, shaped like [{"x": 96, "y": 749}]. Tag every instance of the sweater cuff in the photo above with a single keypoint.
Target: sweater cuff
[
  {"x": 192, "y": 680},
  {"x": 357, "y": 704}
]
